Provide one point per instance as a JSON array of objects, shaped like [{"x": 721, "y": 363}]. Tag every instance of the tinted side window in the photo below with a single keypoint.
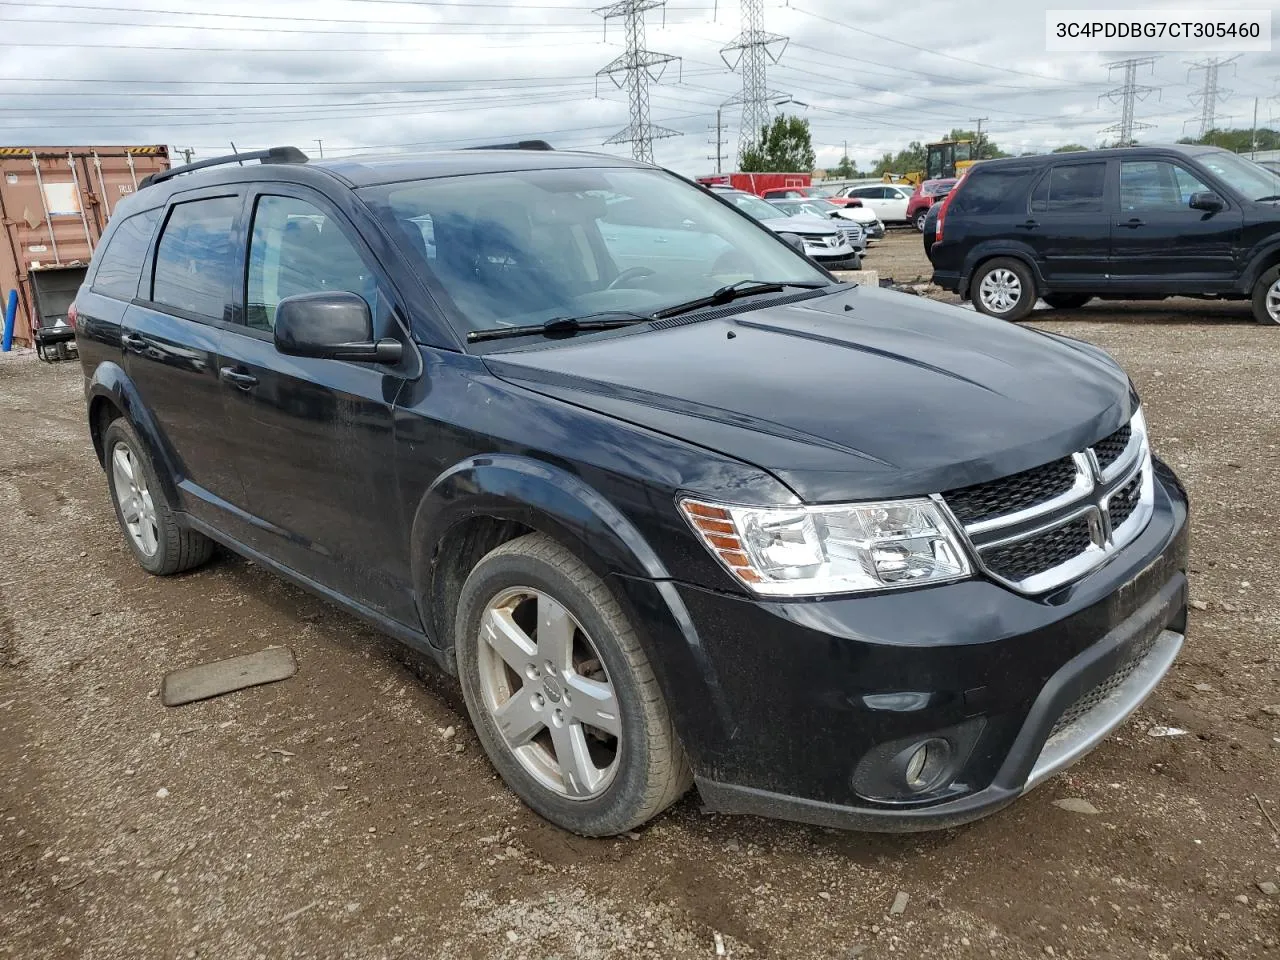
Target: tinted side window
[
  {"x": 987, "y": 191},
  {"x": 1156, "y": 184},
  {"x": 1074, "y": 188},
  {"x": 297, "y": 248},
  {"x": 196, "y": 258},
  {"x": 120, "y": 266}
]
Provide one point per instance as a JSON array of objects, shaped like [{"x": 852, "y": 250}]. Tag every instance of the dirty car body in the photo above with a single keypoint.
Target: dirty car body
[{"x": 892, "y": 563}]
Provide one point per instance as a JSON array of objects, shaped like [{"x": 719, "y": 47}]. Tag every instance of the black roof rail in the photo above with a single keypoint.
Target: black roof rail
[
  {"x": 272, "y": 155},
  {"x": 518, "y": 145}
]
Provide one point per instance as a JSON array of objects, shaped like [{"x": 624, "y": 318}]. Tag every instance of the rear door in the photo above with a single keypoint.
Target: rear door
[
  {"x": 313, "y": 438},
  {"x": 1159, "y": 243},
  {"x": 170, "y": 338},
  {"x": 1068, "y": 227}
]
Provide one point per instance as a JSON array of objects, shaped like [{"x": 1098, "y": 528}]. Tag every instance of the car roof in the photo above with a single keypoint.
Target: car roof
[{"x": 1148, "y": 149}]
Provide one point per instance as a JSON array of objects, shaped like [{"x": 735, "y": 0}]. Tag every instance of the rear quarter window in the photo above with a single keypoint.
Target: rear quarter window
[
  {"x": 120, "y": 265},
  {"x": 991, "y": 191},
  {"x": 195, "y": 269}
]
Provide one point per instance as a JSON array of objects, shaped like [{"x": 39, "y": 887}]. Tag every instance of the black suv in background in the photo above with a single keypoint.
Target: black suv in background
[
  {"x": 1132, "y": 223},
  {"x": 673, "y": 504}
]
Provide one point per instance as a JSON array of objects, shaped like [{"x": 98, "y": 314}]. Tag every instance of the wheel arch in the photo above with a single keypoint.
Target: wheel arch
[
  {"x": 1261, "y": 262},
  {"x": 985, "y": 253},
  {"x": 484, "y": 501},
  {"x": 111, "y": 394}
]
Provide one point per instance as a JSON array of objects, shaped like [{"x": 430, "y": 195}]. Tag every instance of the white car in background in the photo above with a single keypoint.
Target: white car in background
[
  {"x": 863, "y": 216},
  {"x": 887, "y": 200}
]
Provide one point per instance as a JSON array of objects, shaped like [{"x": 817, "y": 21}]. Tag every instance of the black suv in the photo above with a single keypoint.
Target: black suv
[
  {"x": 672, "y": 512},
  {"x": 1133, "y": 223}
]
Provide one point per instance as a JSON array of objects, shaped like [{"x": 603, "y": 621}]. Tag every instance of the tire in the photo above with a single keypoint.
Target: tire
[
  {"x": 159, "y": 544},
  {"x": 920, "y": 218},
  {"x": 520, "y": 584},
  {"x": 1005, "y": 277},
  {"x": 1067, "y": 301},
  {"x": 1266, "y": 298}
]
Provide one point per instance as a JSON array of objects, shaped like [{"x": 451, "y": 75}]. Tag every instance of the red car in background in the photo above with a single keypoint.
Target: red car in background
[
  {"x": 926, "y": 194},
  {"x": 810, "y": 193}
]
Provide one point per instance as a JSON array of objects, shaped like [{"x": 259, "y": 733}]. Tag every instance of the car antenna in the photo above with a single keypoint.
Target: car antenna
[{"x": 235, "y": 152}]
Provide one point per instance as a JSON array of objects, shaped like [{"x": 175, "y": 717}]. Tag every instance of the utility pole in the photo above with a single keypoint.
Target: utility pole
[
  {"x": 187, "y": 153},
  {"x": 977, "y": 147},
  {"x": 754, "y": 48},
  {"x": 1126, "y": 95},
  {"x": 1210, "y": 94},
  {"x": 635, "y": 70},
  {"x": 320, "y": 145},
  {"x": 719, "y": 142},
  {"x": 1253, "y": 139}
]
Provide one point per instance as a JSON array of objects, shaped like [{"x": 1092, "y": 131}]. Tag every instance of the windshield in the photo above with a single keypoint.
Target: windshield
[
  {"x": 1250, "y": 179},
  {"x": 819, "y": 192},
  {"x": 519, "y": 248},
  {"x": 933, "y": 188},
  {"x": 754, "y": 206}
]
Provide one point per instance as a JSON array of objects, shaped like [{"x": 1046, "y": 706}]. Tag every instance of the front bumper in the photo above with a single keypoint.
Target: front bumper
[{"x": 795, "y": 694}]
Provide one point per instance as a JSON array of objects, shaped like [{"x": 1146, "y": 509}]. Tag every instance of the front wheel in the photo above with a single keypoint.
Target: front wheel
[
  {"x": 920, "y": 218},
  {"x": 1003, "y": 288},
  {"x": 560, "y": 692},
  {"x": 1266, "y": 298},
  {"x": 1067, "y": 301},
  {"x": 146, "y": 517}
]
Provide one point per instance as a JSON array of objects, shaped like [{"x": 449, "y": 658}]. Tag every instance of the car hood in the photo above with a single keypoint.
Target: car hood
[
  {"x": 863, "y": 393},
  {"x": 801, "y": 223}
]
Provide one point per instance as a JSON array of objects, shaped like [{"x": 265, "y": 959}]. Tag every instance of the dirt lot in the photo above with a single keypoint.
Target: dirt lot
[{"x": 331, "y": 815}]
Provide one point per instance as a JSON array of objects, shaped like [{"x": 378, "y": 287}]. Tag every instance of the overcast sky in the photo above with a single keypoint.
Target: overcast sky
[{"x": 365, "y": 75}]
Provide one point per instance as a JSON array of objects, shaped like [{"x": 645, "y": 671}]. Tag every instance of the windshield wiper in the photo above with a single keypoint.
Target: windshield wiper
[
  {"x": 1274, "y": 196},
  {"x": 608, "y": 320},
  {"x": 732, "y": 291}
]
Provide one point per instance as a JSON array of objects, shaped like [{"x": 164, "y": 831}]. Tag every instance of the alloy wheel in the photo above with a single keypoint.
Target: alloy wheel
[
  {"x": 1273, "y": 302},
  {"x": 544, "y": 684},
  {"x": 136, "y": 505},
  {"x": 1000, "y": 290}
]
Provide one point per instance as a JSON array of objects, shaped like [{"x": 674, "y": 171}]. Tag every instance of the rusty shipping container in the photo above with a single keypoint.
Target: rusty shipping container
[{"x": 54, "y": 207}]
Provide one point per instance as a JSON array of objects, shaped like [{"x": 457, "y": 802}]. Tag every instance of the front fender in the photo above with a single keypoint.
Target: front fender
[
  {"x": 553, "y": 501},
  {"x": 1261, "y": 260},
  {"x": 998, "y": 248},
  {"x": 110, "y": 383}
]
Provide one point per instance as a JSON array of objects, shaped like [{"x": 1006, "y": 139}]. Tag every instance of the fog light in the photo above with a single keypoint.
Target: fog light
[{"x": 926, "y": 765}]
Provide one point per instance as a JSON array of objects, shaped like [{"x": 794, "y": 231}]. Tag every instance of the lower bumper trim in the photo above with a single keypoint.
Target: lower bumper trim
[{"x": 1075, "y": 740}]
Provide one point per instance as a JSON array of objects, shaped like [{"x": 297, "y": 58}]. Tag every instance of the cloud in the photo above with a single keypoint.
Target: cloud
[{"x": 362, "y": 75}]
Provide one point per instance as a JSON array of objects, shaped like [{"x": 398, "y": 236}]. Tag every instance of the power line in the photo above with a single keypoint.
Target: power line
[
  {"x": 1126, "y": 95},
  {"x": 1210, "y": 94},
  {"x": 754, "y": 48},
  {"x": 636, "y": 68}
]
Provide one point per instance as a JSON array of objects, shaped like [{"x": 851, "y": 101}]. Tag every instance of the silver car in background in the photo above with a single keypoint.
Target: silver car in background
[{"x": 837, "y": 246}]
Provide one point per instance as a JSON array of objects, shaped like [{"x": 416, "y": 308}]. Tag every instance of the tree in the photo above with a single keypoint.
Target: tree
[
  {"x": 1239, "y": 141},
  {"x": 785, "y": 146},
  {"x": 904, "y": 161},
  {"x": 844, "y": 170},
  {"x": 1070, "y": 148}
]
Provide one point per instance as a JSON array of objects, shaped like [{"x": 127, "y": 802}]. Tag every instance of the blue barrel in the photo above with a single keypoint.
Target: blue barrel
[{"x": 10, "y": 317}]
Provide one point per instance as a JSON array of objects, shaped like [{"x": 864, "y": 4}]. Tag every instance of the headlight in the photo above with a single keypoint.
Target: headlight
[{"x": 847, "y": 548}]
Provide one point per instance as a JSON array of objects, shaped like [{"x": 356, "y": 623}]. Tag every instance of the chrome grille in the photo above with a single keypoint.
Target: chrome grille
[{"x": 1042, "y": 528}]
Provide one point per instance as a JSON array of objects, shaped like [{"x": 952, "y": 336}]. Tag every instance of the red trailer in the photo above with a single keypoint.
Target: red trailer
[
  {"x": 757, "y": 183},
  {"x": 54, "y": 206}
]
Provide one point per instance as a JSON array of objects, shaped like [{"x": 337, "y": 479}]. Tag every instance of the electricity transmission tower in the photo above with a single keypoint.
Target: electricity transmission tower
[
  {"x": 634, "y": 70},
  {"x": 754, "y": 48},
  {"x": 1211, "y": 94},
  {"x": 1126, "y": 95}
]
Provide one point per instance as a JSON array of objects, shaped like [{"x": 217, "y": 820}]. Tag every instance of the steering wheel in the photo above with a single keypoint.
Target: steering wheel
[{"x": 631, "y": 273}]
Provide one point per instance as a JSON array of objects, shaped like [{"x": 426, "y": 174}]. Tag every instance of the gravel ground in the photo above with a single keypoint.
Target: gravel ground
[{"x": 336, "y": 815}]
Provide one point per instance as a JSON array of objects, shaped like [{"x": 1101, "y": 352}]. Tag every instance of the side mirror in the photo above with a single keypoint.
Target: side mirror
[
  {"x": 331, "y": 326},
  {"x": 1206, "y": 200},
  {"x": 793, "y": 241}
]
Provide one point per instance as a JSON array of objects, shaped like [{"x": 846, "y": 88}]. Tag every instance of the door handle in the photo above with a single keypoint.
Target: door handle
[
  {"x": 131, "y": 341},
  {"x": 1134, "y": 223},
  {"x": 238, "y": 378},
  {"x": 1029, "y": 224}
]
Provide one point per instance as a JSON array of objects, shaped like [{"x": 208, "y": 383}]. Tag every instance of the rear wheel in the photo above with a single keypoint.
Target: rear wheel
[
  {"x": 1003, "y": 288},
  {"x": 920, "y": 218},
  {"x": 1067, "y": 301},
  {"x": 1266, "y": 297},
  {"x": 145, "y": 515},
  {"x": 561, "y": 693}
]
